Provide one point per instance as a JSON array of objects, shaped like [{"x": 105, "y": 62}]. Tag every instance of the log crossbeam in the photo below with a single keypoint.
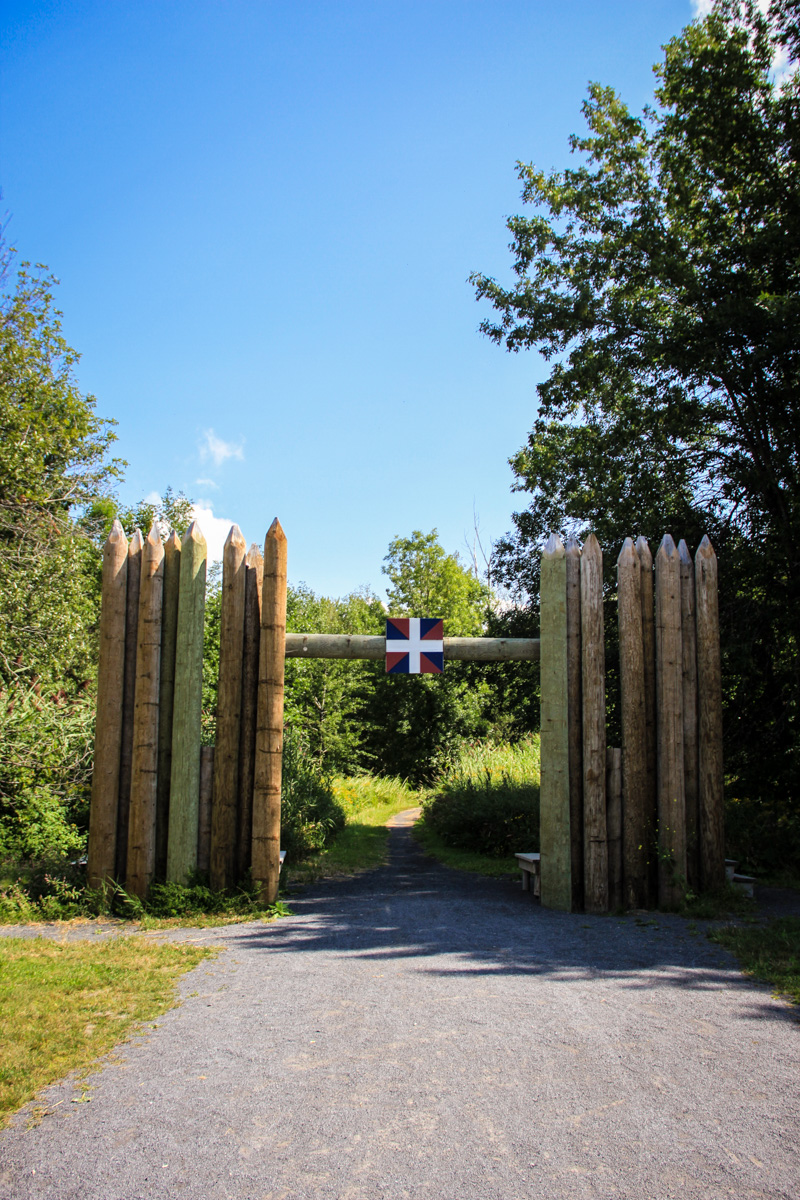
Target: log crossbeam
[{"x": 460, "y": 649}]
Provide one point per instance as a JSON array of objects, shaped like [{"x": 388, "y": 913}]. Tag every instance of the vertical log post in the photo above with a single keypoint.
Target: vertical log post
[
  {"x": 266, "y": 863},
  {"x": 224, "y": 811},
  {"x": 247, "y": 753},
  {"x": 689, "y": 670},
  {"x": 204, "y": 818},
  {"x": 126, "y": 749},
  {"x": 709, "y": 690},
  {"x": 649, "y": 662},
  {"x": 634, "y": 727},
  {"x": 614, "y": 827},
  {"x": 554, "y": 835},
  {"x": 184, "y": 796},
  {"x": 669, "y": 724},
  {"x": 575, "y": 718},
  {"x": 595, "y": 845},
  {"x": 144, "y": 768},
  {"x": 169, "y": 633},
  {"x": 108, "y": 728}
]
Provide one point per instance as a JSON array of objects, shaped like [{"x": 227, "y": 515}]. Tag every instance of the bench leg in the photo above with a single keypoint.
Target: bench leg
[{"x": 526, "y": 881}]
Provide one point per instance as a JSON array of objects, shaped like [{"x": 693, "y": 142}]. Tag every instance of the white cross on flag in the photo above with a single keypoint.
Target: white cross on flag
[{"x": 414, "y": 645}]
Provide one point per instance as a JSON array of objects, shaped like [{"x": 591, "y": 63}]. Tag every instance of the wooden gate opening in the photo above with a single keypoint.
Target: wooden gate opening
[{"x": 620, "y": 828}]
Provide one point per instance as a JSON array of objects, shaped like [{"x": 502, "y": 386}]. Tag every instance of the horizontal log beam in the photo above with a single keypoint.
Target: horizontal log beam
[{"x": 461, "y": 649}]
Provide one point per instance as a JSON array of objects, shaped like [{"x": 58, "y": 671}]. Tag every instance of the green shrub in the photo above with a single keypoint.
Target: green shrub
[
  {"x": 310, "y": 815},
  {"x": 46, "y": 741},
  {"x": 488, "y": 800}
]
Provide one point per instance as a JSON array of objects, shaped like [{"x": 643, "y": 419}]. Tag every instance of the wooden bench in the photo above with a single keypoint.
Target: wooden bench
[{"x": 529, "y": 865}]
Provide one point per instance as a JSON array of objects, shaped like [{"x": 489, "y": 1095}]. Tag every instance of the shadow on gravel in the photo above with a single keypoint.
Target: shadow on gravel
[{"x": 461, "y": 924}]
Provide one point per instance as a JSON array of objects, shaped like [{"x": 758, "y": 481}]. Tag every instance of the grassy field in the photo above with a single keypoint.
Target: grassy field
[
  {"x": 770, "y": 953},
  {"x": 462, "y": 860},
  {"x": 484, "y": 807},
  {"x": 368, "y": 802},
  {"x": 69, "y": 1002}
]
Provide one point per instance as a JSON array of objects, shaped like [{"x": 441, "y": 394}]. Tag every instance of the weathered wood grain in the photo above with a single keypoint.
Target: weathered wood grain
[
  {"x": 669, "y": 724},
  {"x": 169, "y": 633},
  {"x": 709, "y": 691},
  {"x": 634, "y": 727},
  {"x": 649, "y": 661},
  {"x": 555, "y": 844},
  {"x": 184, "y": 797},
  {"x": 575, "y": 717},
  {"x": 269, "y": 730},
  {"x": 368, "y": 646},
  {"x": 247, "y": 755},
  {"x": 614, "y": 827},
  {"x": 690, "y": 730},
  {"x": 129, "y": 695},
  {"x": 110, "y": 698},
  {"x": 595, "y": 843},
  {"x": 144, "y": 768},
  {"x": 224, "y": 812}
]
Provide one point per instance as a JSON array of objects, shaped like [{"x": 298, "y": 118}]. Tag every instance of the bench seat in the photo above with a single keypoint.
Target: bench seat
[{"x": 529, "y": 865}]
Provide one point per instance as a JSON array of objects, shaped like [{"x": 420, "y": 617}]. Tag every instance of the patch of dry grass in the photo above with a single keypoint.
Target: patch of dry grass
[{"x": 62, "y": 1004}]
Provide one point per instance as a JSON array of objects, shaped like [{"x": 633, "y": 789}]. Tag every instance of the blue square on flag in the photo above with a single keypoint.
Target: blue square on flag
[{"x": 414, "y": 645}]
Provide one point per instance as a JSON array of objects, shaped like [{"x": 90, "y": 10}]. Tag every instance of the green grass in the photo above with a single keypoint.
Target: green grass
[
  {"x": 62, "y": 1004},
  {"x": 486, "y": 802},
  {"x": 51, "y": 897},
  {"x": 462, "y": 860},
  {"x": 368, "y": 802},
  {"x": 770, "y": 953}
]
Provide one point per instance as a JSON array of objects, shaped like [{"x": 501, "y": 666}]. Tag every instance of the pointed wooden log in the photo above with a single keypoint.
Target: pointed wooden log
[
  {"x": 207, "y": 758},
  {"x": 690, "y": 733},
  {"x": 669, "y": 724},
  {"x": 129, "y": 695},
  {"x": 247, "y": 755},
  {"x": 169, "y": 633},
  {"x": 144, "y": 768},
  {"x": 266, "y": 863},
  {"x": 110, "y": 694},
  {"x": 614, "y": 827},
  {"x": 224, "y": 811},
  {"x": 554, "y": 818},
  {"x": 634, "y": 728},
  {"x": 184, "y": 798},
  {"x": 575, "y": 717},
  {"x": 595, "y": 844},
  {"x": 709, "y": 691},
  {"x": 649, "y": 661}
]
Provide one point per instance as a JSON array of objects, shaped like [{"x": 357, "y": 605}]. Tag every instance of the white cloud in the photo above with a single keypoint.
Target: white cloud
[
  {"x": 209, "y": 483},
  {"x": 214, "y": 448},
  {"x": 701, "y": 8},
  {"x": 214, "y": 529}
]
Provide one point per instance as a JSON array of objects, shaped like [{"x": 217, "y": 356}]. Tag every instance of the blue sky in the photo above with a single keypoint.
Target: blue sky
[{"x": 263, "y": 216}]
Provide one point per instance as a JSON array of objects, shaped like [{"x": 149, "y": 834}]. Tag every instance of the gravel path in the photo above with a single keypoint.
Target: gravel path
[{"x": 421, "y": 1033}]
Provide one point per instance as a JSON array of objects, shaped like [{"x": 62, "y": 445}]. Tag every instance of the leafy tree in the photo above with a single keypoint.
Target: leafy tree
[
  {"x": 53, "y": 461},
  {"x": 660, "y": 277},
  {"x": 428, "y": 582},
  {"x": 415, "y": 722},
  {"x": 326, "y": 700}
]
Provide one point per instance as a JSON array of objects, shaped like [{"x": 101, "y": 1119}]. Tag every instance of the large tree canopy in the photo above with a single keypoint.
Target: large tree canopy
[{"x": 660, "y": 277}]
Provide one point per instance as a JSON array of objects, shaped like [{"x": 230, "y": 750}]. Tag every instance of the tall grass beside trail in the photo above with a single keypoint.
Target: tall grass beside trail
[
  {"x": 487, "y": 801},
  {"x": 368, "y": 802}
]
